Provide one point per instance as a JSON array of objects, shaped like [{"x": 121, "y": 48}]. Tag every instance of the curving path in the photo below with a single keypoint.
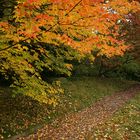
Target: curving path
[{"x": 75, "y": 126}]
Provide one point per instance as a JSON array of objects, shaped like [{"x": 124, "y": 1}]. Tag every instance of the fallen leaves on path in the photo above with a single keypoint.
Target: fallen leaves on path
[{"x": 76, "y": 125}]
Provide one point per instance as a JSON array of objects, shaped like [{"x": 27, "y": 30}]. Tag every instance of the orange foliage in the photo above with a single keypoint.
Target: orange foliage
[{"x": 82, "y": 24}]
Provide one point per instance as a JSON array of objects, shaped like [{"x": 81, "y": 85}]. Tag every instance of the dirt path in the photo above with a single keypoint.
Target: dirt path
[{"x": 76, "y": 125}]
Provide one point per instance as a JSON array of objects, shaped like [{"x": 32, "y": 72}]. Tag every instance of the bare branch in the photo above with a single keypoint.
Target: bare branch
[{"x": 73, "y": 8}]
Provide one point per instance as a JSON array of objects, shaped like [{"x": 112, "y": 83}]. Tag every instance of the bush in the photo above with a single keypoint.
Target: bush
[{"x": 132, "y": 70}]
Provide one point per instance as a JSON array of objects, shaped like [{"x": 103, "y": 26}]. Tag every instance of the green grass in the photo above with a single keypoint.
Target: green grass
[
  {"x": 124, "y": 125},
  {"x": 22, "y": 114},
  {"x": 81, "y": 92}
]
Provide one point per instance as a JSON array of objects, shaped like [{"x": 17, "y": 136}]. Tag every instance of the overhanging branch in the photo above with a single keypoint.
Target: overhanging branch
[{"x": 48, "y": 29}]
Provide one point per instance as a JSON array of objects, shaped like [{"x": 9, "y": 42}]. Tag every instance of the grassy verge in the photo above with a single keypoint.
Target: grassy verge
[
  {"x": 21, "y": 113},
  {"x": 124, "y": 125},
  {"x": 81, "y": 92}
]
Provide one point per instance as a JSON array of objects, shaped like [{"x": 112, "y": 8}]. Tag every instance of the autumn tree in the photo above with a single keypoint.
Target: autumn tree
[
  {"x": 129, "y": 64},
  {"x": 48, "y": 34},
  {"x": 133, "y": 28}
]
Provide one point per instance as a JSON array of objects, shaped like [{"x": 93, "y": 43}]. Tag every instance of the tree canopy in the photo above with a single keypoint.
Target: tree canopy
[{"x": 46, "y": 35}]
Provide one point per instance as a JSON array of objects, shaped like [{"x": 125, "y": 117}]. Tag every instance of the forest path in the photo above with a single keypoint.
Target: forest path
[{"x": 76, "y": 125}]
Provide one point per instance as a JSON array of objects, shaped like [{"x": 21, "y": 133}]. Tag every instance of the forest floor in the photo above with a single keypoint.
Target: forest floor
[
  {"x": 81, "y": 125},
  {"x": 20, "y": 115}
]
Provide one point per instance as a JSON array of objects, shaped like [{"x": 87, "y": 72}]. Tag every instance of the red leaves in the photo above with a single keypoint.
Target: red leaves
[
  {"x": 4, "y": 25},
  {"x": 43, "y": 16},
  {"x": 106, "y": 15}
]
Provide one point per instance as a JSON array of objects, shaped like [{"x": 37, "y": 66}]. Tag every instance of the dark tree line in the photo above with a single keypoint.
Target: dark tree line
[{"x": 6, "y": 8}]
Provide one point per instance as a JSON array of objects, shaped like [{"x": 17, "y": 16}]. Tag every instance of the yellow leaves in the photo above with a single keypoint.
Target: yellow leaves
[
  {"x": 49, "y": 37},
  {"x": 53, "y": 102},
  {"x": 69, "y": 66},
  {"x": 43, "y": 93},
  {"x": 91, "y": 58},
  {"x": 55, "y": 10},
  {"x": 40, "y": 97},
  {"x": 25, "y": 48}
]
